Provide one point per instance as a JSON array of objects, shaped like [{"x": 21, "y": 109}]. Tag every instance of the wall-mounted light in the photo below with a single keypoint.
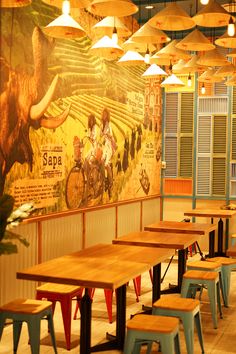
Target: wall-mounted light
[
  {"x": 231, "y": 27},
  {"x": 66, "y": 7},
  {"x": 114, "y": 35},
  {"x": 189, "y": 80},
  {"x": 204, "y": 2},
  {"x": 147, "y": 56},
  {"x": 203, "y": 89}
]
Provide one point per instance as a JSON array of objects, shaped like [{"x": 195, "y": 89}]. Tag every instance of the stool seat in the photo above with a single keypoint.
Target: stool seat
[
  {"x": 204, "y": 265},
  {"x": 222, "y": 260},
  {"x": 200, "y": 274},
  {"x": 146, "y": 329},
  {"x": 58, "y": 288},
  {"x": 188, "y": 311},
  {"x": 31, "y": 312}
]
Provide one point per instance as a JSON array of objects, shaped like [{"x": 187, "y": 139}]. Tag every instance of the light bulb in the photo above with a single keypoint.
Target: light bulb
[
  {"x": 189, "y": 81},
  {"x": 147, "y": 57},
  {"x": 231, "y": 27},
  {"x": 114, "y": 36},
  {"x": 204, "y": 2},
  {"x": 66, "y": 7},
  {"x": 203, "y": 89}
]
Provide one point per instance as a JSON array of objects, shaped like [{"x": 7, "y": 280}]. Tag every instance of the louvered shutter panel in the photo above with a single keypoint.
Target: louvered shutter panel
[
  {"x": 186, "y": 156},
  {"x": 203, "y": 175},
  {"x": 234, "y": 101},
  {"x": 212, "y": 105},
  {"x": 219, "y": 135},
  {"x": 220, "y": 89},
  {"x": 204, "y": 134},
  {"x": 171, "y": 116},
  {"x": 218, "y": 178},
  {"x": 171, "y": 154},
  {"x": 186, "y": 113},
  {"x": 233, "y": 143}
]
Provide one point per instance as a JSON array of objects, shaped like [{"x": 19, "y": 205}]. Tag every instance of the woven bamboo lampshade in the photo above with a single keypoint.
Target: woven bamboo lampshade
[
  {"x": 107, "y": 25},
  {"x": 137, "y": 47},
  {"x": 172, "y": 81},
  {"x": 195, "y": 41},
  {"x": 117, "y": 8},
  {"x": 230, "y": 6},
  {"x": 226, "y": 41},
  {"x": 212, "y": 15},
  {"x": 228, "y": 70},
  {"x": 209, "y": 76},
  {"x": 130, "y": 59},
  {"x": 154, "y": 71},
  {"x": 75, "y": 4},
  {"x": 170, "y": 51},
  {"x": 179, "y": 67},
  {"x": 64, "y": 27},
  {"x": 160, "y": 60},
  {"x": 148, "y": 34},
  {"x": 213, "y": 58},
  {"x": 172, "y": 18},
  {"x": 14, "y": 3},
  {"x": 192, "y": 65},
  {"x": 106, "y": 48},
  {"x": 231, "y": 82},
  {"x": 232, "y": 54}
]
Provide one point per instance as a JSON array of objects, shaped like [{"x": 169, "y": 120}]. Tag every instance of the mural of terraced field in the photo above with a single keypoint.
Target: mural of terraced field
[{"x": 86, "y": 84}]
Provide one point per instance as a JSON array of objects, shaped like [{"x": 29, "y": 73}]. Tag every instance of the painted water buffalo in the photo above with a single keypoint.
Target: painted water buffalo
[{"x": 23, "y": 103}]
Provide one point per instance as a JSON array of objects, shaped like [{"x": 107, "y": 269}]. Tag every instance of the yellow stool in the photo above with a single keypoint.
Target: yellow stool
[{"x": 32, "y": 312}]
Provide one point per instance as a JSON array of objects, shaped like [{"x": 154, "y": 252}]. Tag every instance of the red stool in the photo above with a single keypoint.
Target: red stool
[{"x": 64, "y": 294}]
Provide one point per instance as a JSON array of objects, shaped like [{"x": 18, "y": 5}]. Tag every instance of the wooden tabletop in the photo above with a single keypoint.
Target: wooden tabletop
[
  {"x": 182, "y": 227},
  {"x": 91, "y": 267},
  {"x": 214, "y": 213},
  {"x": 158, "y": 239}
]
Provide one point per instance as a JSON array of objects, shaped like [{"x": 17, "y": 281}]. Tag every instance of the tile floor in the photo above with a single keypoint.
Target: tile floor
[{"x": 217, "y": 341}]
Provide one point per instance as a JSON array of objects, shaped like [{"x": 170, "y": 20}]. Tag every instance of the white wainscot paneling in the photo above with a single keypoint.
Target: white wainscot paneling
[
  {"x": 173, "y": 209},
  {"x": 151, "y": 211},
  {"x": 100, "y": 226},
  {"x": 10, "y": 287},
  {"x": 128, "y": 218},
  {"x": 61, "y": 236}
]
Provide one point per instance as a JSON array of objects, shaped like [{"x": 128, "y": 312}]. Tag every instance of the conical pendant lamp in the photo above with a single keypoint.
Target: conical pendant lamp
[
  {"x": 107, "y": 48},
  {"x": 154, "y": 71},
  {"x": 195, "y": 41},
  {"x": 213, "y": 58},
  {"x": 117, "y": 8},
  {"x": 148, "y": 34},
  {"x": 192, "y": 65},
  {"x": 232, "y": 54},
  {"x": 171, "y": 51},
  {"x": 130, "y": 59},
  {"x": 106, "y": 27},
  {"x": 160, "y": 60},
  {"x": 172, "y": 18},
  {"x": 179, "y": 67},
  {"x": 226, "y": 41},
  {"x": 172, "y": 81},
  {"x": 209, "y": 76},
  {"x": 212, "y": 15},
  {"x": 137, "y": 47},
  {"x": 228, "y": 70},
  {"x": 14, "y": 3},
  {"x": 74, "y": 4}
]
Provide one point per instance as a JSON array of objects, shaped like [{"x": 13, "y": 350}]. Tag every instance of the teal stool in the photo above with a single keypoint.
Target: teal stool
[
  {"x": 188, "y": 311},
  {"x": 227, "y": 265},
  {"x": 32, "y": 312},
  {"x": 146, "y": 328},
  {"x": 210, "y": 267},
  {"x": 210, "y": 280}
]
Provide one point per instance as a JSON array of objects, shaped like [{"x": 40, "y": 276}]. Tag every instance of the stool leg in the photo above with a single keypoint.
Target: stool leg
[
  {"x": 137, "y": 287},
  {"x": 17, "y": 326},
  {"x": 129, "y": 343},
  {"x": 218, "y": 299},
  {"x": 177, "y": 344},
  {"x": 199, "y": 330},
  {"x": 34, "y": 334},
  {"x": 52, "y": 332},
  {"x": 66, "y": 315},
  {"x": 211, "y": 288},
  {"x": 167, "y": 345},
  {"x": 188, "y": 325},
  {"x": 226, "y": 275},
  {"x": 223, "y": 290},
  {"x": 108, "y": 297}
]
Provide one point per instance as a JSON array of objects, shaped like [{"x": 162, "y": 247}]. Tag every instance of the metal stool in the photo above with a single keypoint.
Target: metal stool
[
  {"x": 203, "y": 278},
  {"x": 188, "y": 311},
  {"x": 146, "y": 328},
  {"x": 32, "y": 312}
]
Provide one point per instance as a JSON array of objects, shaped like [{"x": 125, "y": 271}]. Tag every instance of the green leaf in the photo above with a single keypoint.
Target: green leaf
[
  {"x": 6, "y": 207},
  {"x": 9, "y": 235},
  {"x": 7, "y": 248}
]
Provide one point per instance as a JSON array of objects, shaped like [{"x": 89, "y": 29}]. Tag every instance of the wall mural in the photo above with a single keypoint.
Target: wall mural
[{"x": 76, "y": 130}]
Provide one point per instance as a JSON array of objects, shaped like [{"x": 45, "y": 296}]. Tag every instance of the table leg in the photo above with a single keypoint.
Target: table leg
[
  {"x": 181, "y": 270},
  {"x": 116, "y": 342},
  {"x": 156, "y": 286},
  {"x": 212, "y": 244},
  {"x": 85, "y": 323},
  {"x": 220, "y": 238}
]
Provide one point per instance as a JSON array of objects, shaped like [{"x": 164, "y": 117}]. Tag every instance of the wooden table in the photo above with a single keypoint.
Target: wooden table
[
  {"x": 100, "y": 266},
  {"x": 215, "y": 213},
  {"x": 177, "y": 241},
  {"x": 187, "y": 228}
]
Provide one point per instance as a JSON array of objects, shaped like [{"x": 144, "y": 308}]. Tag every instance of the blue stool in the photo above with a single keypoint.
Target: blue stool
[
  {"x": 210, "y": 267},
  {"x": 188, "y": 311},
  {"x": 146, "y": 328},
  {"x": 210, "y": 280},
  {"x": 32, "y": 312},
  {"x": 227, "y": 265}
]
